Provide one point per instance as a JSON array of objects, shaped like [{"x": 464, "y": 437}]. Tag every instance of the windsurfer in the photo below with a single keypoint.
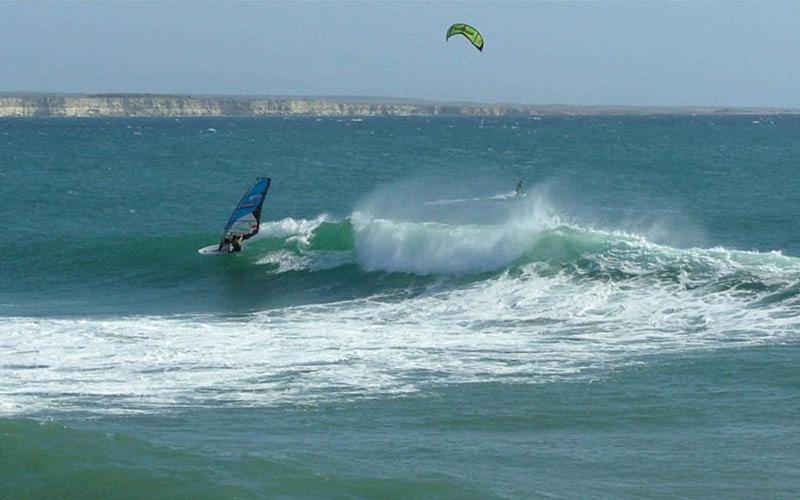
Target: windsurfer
[
  {"x": 231, "y": 244},
  {"x": 236, "y": 243}
]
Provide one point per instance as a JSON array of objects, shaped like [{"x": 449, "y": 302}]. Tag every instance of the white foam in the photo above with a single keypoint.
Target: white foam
[
  {"x": 286, "y": 260},
  {"x": 297, "y": 234},
  {"x": 289, "y": 227},
  {"x": 430, "y": 247},
  {"x": 525, "y": 328}
]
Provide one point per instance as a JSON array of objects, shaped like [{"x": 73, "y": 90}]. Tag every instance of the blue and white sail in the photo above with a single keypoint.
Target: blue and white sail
[{"x": 246, "y": 217}]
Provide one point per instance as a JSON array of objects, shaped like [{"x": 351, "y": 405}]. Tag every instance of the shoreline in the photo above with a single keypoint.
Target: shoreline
[{"x": 30, "y": 105}]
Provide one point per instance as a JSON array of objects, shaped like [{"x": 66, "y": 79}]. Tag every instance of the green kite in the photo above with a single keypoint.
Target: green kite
[{"x": 469, "y": 33}]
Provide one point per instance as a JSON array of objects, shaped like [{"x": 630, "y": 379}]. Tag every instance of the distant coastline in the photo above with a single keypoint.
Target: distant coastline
[{"x": 164, "y": 105}]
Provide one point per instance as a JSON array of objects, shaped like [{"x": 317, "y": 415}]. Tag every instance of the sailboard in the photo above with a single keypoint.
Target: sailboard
[{"x": 245, "y": 220}]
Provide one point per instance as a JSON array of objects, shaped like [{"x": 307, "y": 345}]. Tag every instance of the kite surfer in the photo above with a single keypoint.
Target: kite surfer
[{"x": 520, "y": 189}]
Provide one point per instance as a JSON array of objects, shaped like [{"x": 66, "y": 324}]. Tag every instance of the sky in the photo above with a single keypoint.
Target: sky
[{"x": 642, "y": 53}]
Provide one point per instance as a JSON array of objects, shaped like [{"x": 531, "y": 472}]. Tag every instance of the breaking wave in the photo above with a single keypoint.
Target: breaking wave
[{"x": 526, "y": 301}]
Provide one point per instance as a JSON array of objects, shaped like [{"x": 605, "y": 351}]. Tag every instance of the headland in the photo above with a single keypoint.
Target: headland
[{"x": 169, "y": 105}]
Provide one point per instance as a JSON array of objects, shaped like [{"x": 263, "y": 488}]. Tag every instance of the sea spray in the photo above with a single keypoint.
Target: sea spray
[{"x": 408, "y": 244}]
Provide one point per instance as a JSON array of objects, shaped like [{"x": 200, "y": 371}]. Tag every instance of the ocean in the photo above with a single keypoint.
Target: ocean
[{"x": 404, "y": 325}]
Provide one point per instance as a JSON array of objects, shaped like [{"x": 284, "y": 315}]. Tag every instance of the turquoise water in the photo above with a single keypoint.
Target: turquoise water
[{"x": 403, "y": 325}]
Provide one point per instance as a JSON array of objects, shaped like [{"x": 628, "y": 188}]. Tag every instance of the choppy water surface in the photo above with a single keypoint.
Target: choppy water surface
[{"x": 404, "y": 324}]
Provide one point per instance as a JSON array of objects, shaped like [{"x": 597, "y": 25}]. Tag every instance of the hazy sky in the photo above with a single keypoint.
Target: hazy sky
[{"x": 629, "y": 53}]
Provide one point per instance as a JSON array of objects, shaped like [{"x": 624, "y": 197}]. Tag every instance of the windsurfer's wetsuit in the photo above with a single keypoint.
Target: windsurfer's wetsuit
[
  {"x": 232, "y": 245},
  {"x": 229, "y": 246}
]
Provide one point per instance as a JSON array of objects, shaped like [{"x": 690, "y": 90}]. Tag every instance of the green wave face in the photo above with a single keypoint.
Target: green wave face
[{"x": 320, "y": 259}]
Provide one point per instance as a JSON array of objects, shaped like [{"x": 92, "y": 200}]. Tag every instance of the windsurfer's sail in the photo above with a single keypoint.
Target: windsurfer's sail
[{"x": 246, "y": 217}]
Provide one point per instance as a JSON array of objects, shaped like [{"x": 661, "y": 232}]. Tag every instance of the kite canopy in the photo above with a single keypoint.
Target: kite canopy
[{"x": 469, "y": 33}]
